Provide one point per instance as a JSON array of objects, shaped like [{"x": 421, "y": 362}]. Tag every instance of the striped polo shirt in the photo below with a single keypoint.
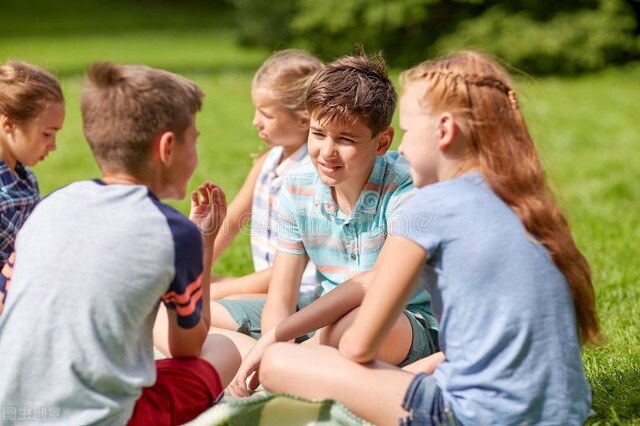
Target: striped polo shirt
[
  {"x": 341, "y": 245},
  {"x": 264, "y": 216},
  {"x": 19, "y": 194}
]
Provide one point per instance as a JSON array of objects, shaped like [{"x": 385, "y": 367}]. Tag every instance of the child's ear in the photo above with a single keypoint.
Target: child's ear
[
  {"x": 7, "y": 124},
  {"x": 165, "y": 143},
  {"x": 385, "y": 137},
  {"x": 447, "y": 131}
]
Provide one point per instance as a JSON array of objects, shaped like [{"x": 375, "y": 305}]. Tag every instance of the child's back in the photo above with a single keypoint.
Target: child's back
[
  {"x": 490, "y": 268},
  {"x": 96, "y": 258},
  {"x": 87, "y": 300}
]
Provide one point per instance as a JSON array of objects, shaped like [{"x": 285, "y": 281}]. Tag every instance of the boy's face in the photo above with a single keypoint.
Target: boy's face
[
  {"x": 184, "y": 162},
  {"x": 344, "y": 154},
  {"x": 278, "y": 126},
  {"x": 33, "y": 141}
]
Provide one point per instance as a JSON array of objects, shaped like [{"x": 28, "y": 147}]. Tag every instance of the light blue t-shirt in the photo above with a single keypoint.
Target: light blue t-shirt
[{"x": 507, "y": 320}]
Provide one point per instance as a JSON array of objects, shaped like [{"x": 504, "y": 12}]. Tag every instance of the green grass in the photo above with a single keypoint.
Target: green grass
[{"x": 585, "y": 127}]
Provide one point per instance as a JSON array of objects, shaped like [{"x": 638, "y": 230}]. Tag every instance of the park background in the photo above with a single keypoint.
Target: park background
[{"x": 579, "y": 83}]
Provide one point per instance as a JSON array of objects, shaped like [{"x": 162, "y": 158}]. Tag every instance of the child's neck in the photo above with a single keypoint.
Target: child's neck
[
  {"x": 6, "y": 156},
  {"x": 346, "y": 196},
  {"x": 121, "y": 178},
  {"x": 288, "y": 151}
]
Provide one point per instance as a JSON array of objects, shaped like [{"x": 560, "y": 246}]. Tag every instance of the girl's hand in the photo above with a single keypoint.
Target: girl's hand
[
  {"x": 208, "y": 210},
  {"x": 251, "y": 365}
]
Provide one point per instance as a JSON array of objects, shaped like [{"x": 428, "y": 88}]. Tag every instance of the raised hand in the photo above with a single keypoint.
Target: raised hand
[{"x": 208, "y": 210}]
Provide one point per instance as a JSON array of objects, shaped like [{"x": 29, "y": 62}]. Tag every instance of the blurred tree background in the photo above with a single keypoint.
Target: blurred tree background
[{"x": 538, "y": 37}]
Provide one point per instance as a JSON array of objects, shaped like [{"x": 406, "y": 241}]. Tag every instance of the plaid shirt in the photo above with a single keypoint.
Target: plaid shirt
[
  {"x": 264, "y": 216},
  {"x": 19, "y": 194}
]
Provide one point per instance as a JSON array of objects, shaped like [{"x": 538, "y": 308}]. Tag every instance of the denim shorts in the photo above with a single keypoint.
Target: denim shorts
[
  {"x": 423, "y": 400},
  {"x": 424, "y": 339}
]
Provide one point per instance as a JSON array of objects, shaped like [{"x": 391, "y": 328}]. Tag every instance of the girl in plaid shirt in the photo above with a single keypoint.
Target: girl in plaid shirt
[{"x": 31, "y": 113}]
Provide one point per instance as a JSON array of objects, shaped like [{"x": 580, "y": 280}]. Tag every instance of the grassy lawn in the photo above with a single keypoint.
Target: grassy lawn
[{"x": 586, "y": 128}]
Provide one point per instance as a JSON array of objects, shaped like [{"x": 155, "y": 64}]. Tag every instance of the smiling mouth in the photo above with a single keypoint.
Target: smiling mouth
[{"x": 329, "y": 168}]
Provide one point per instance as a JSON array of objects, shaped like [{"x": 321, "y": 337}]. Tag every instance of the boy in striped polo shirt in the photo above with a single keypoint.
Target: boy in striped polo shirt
[{"x": 336, "y": 210}]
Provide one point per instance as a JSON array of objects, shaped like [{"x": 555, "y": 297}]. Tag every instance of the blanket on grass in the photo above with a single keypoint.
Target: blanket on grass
[{"x": 278, "y": 409}]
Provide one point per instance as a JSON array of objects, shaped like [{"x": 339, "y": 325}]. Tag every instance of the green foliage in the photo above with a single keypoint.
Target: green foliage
[
  {"x": 583, "y": 40},
  {"x": 539, "y": 37}
]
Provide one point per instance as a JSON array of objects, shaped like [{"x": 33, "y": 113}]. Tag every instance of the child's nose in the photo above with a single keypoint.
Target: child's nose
[
  {"x": 328, "y": 147},
  {"x": 256, "y": 121}
]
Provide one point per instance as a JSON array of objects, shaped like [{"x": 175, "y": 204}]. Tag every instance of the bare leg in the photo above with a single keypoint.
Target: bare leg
[
  {"x": 395, "y": 346},
  {"x": 221, "y": 318},
  {"x": 161, "y": 331},
  {"x": 373, "y": 391},
  {"x": 221, "y": 352},
  {"x": 242, "y": 342}
]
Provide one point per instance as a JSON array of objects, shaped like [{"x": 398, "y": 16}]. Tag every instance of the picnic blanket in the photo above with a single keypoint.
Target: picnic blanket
[{"x": 278, "y": 409}]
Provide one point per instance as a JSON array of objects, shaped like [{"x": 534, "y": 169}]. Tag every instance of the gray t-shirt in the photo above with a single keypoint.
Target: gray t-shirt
[
  {"x": 92, "y": 264},
  {"x": 507, "y": 320}
]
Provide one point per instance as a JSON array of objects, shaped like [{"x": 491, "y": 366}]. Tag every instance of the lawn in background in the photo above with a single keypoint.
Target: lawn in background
[{"x": 586, "y": 127}]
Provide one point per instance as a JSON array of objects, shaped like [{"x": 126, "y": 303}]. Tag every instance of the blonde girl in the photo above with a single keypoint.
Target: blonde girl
[
  {"x": 278, "y": 93},
  {"x": 512, "y": 293}
]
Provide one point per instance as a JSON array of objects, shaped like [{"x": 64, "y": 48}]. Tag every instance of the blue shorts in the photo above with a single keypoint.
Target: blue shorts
[
  {"x": 247, "y": 313},
  {"x": 423, "y": 400}
]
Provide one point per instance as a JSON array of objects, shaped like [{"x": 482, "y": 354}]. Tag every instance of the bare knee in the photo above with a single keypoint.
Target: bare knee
[
  {"x": 274, "y": 365},
  {"x": 221, "y": 352}
]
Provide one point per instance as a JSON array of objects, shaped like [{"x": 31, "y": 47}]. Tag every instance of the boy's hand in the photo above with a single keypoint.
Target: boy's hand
[{"x": 208, "y": 210}]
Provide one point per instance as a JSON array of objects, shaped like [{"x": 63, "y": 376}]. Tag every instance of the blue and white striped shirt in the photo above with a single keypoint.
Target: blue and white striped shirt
[
  {"x": 264, "y": 211},
  {"x": 342, "y": 246}
]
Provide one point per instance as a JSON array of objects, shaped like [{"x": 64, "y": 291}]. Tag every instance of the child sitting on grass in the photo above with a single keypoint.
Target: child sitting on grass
[
  {"x": 31, "y": 113},
  {"x": 512, "y": 293},
  {"x": 96, "y": 258},
  {"x": 337, "y": 210},
  {"x": 277, "y": 91}
]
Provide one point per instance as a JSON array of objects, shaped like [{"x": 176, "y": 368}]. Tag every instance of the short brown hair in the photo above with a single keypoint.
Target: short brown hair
[
  {"x": 25, "y": 90},
  {"x": 286, "y": 76},
  {"x": 352, "y": 89},
  {"x": 125, "y": 107}
]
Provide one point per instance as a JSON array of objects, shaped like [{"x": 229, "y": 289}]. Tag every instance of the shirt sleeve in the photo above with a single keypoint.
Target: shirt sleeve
[
  {"x": 289, "y": 235},
  {"x": 185, "y": 290},
  {"x": 419, "y": 223}
]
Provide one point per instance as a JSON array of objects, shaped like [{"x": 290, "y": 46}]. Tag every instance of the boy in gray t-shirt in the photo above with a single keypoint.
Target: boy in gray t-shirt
[{"x": 96, "y": 259}]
